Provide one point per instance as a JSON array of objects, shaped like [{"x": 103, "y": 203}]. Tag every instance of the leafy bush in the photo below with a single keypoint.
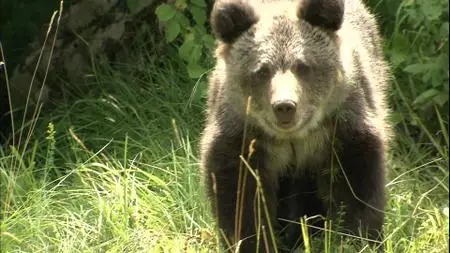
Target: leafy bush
[
  {"x": 188, "y": 21},
  {"x": 416, "y": 45}
]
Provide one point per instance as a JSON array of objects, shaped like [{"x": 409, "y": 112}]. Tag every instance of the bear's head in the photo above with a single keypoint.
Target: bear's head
[{"x": 286, "y": 56}]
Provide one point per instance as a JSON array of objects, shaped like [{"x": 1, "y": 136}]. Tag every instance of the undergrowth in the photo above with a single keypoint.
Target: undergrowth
[{"x": 115, "y": 169}]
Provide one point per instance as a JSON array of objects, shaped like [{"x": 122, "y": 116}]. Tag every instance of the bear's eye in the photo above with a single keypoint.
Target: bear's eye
[
  {"x": 301, "y": 68},
  {"x": 262, "y": 72}
]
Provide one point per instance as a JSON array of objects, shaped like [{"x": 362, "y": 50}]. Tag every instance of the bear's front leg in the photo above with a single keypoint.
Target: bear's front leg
[
  {"x": 249, "y": 230},
  {"x": 360, "y": 163}
]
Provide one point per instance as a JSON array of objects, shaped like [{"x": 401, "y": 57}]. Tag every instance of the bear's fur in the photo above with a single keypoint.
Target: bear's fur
[{"x": 322, "y": 61}]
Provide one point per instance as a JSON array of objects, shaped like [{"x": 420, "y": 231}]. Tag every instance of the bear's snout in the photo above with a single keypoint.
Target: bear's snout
[{"x": 284, "y": 111}]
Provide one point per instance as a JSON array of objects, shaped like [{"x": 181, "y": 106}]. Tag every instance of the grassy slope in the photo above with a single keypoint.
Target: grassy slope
[{"x": 117, "y": 175}]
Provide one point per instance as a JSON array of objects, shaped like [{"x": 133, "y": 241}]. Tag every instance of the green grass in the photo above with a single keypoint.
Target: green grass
[
  {"x": 113, "y": 167},
  {"x": 115, "y": 176},
  {"x": 117, "y": 171}
]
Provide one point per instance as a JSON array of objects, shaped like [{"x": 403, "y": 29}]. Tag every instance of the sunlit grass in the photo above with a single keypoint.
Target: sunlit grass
[
  {"x": 115, "y": 169},
  {"x": 122, "y": 179}
]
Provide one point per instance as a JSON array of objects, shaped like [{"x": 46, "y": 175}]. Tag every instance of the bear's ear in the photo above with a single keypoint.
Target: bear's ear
[
  {"x": 328, "y": 14},
  {"x": 230, "y": 18}
]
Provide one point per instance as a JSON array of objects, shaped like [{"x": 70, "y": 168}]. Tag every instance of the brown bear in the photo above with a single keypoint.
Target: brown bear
[{"x": 296, "y": 121}]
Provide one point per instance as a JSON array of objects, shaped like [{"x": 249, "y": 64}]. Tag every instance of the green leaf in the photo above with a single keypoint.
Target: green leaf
[
  {"x": 182, "y": 20},
  {"x": 437, "y": 80},
  {"x": 425, "y": 96},
  {"x": 441, "y": 99},
  {"x": 195, "y": 70},
  {"x": 200, "y": 30},
  {"x": 185, "y": 50},
  {"x": 200, "y": 3},
  {"x": 196, "y": 54},
  {"x": 172, "y": 30},
  {"x": 208, "y": 41},
  {"x": 416, "y": 68},
  {"x": 399, "y": 51},
  {"x": 431, "y": 10},
  {"x": 199, "y": 15},
  {"x": 165, "y": 12},
  {"x": 426, "y": 78},
  {"x": 189, "y": 36}
]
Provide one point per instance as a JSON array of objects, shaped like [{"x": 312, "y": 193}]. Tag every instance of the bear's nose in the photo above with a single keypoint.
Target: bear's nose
[{"x": 284, "y": 110}]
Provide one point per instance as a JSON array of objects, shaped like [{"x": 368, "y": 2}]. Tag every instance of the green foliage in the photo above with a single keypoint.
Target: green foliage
[
  {"x": 188, "y": 22},
  {"x": 127, "y": 177},
  {"x": 125, "y": 182},
  {"x": 416, "y": 44}
]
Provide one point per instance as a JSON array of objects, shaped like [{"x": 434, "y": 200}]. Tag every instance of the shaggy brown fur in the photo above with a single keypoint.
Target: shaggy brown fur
[{"x": 323, "y": 57}]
